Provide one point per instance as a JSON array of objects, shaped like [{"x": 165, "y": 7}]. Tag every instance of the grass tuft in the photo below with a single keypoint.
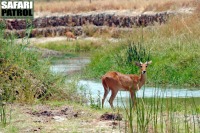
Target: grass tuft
[{"x": 173, "y": 47}]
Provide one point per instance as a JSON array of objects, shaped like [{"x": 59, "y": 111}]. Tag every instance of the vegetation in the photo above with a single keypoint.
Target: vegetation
[
  {"x": 26, "y": 78},
  {"x": 99, "y": 5},
  {"x": 166, "y": 115},
  {"x": 173, "y": 48},
  {"x": 79, "y": 46}
]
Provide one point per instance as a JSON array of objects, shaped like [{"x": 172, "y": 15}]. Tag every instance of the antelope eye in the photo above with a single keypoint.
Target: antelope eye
[
  {"x": 146, "y": 66},
  {"x": 140, "y": 66}
]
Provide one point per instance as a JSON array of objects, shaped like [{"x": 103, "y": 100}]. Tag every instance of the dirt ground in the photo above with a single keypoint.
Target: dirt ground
[
  {"x": 65, "y": 118},
  {"x": 41, "y": 40}
]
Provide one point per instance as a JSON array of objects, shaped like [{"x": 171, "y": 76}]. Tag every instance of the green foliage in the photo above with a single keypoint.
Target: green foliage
[
  {"x": 159, "y": 114},
  {"x": 71, "y": 46},
  {"x": 136, "y": 52},
  {"x": 22, "y": 73},
  {"x": 3, "y": 117},
  {"x": 175, "y": 60},
  {"x": 76, "y": 92},
  {"x": 101, "y": 62},
  {"x": 173, "y": 48},
  {"x": 25, "y": 77},
  {"x": 95, "y": 104},
  {"x": 166, "y": 114}
]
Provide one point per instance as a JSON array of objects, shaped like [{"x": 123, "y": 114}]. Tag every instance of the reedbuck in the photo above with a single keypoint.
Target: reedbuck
[
  {"x": 116, "y": 81},
  {"x": 70, "y": 35}
]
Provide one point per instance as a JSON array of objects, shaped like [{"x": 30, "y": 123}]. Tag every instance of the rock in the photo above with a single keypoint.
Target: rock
[
  {"x": 97, "y": 19},
  {"x": 58, "y": 118},
  {"x": 58, "y": 25}
]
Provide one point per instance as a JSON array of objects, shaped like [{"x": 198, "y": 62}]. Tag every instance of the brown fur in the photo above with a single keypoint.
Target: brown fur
[
  {"x": 70, "y": 35},
  {"x": 116, "y": 81}
]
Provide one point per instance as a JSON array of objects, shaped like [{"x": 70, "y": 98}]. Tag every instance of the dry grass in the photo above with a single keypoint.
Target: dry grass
[
  {"x": 185, "y": 26},
  {"x": 99, "y": 5}
]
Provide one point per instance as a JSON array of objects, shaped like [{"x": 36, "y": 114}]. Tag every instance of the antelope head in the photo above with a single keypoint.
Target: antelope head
[{"x": 143, "y": 66}]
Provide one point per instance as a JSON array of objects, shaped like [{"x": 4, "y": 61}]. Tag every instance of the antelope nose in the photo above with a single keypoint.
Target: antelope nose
[{"x": 143, "y": 72}]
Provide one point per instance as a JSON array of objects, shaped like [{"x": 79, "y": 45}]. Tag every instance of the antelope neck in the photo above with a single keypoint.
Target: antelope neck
[{"x": 142, "y": 80}]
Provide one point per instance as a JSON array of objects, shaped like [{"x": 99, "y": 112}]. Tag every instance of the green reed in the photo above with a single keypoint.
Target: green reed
[
  {"x": 161, "y": 114},
  {"x": 3, "y": 117}
]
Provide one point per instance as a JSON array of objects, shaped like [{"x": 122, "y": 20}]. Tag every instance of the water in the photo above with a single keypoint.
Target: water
[
  {"x": 68, "y": 66},
  {"x": 147, "y": 92}
]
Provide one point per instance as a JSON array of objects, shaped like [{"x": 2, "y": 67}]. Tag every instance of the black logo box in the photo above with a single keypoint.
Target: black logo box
[{"x": 17, "y": 9}]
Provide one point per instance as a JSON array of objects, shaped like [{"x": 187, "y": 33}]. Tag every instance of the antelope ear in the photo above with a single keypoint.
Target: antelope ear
[
  {"x": 148, "y": 62},
  {"x": 137, "y": 64}
]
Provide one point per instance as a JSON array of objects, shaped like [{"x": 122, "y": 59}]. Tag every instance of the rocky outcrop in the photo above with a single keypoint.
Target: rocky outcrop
[
  {"x": 58, "y": 25},
  {"x": 101, "y": 19}
]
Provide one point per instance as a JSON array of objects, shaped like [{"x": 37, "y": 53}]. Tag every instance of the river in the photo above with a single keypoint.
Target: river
[
  {"x": 69, "y": 65},
  {"x": 95, "y": 88}
]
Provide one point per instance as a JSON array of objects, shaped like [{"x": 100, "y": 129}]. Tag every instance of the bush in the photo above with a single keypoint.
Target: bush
[{"x": 25, "y": 77}]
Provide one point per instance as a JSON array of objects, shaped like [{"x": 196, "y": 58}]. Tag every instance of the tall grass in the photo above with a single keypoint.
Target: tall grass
[
  {"x": 71, "y": 46},
  {"x": 3, "y": 117},
  {"x": 174, "y": 52},
  {"x": 24, "y": 74},
  {"x": 160, "y": 114},
  {"x": 25, "y": 77}
]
